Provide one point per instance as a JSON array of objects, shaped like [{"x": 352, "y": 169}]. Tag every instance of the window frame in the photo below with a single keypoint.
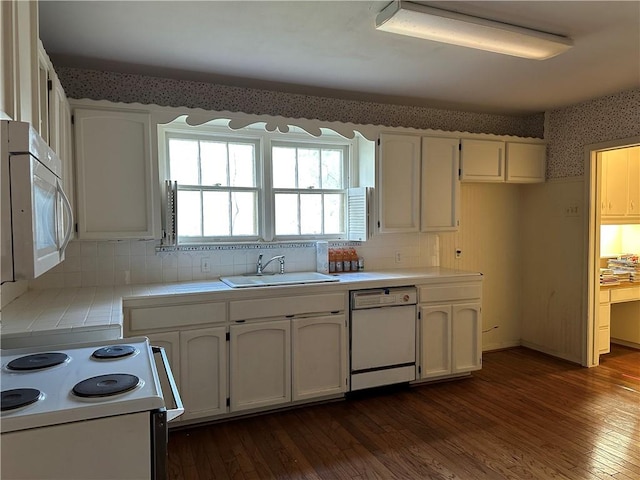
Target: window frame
[{"x": 264, "y": 174}]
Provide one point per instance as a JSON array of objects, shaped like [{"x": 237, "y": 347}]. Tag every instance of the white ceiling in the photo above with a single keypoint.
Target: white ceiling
[{"x": 331, "y": 48}]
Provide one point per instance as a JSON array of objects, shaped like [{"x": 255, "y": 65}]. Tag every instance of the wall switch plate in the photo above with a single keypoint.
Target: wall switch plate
[
  {"x": 398, "y": 257},
  {"x": 205, "y": 265}
]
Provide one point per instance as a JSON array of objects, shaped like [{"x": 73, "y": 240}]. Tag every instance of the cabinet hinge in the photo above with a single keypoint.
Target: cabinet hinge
[
  {"x": 378, "y": 223},
  {"x": 378, "y": 142},
  {"x": 49, "y": 85},
  {"x": 228, "y": 336},
  {"x": 76, "y": 227},
  {"x": 419, "y": 315},
  {"x": 460, "y": 146},
  {"x": 228, "y": 402},
  {"x": 459, "y": 172},
  {"x": 419, "y": 369},
  {"x": 73, "y": 119}
]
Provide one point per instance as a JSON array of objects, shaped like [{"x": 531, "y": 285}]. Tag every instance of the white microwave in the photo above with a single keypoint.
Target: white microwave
[{"x": 37, "y": 221}]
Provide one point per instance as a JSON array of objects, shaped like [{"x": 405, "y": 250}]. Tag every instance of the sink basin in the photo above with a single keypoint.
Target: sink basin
[{"x": 293, "y": 278}]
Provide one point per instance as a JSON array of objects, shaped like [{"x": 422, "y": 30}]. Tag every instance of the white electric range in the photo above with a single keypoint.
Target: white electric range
[{"x": 96, "y": 410}]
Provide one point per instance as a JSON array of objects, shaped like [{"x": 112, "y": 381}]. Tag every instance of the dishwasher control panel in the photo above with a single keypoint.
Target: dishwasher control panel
[{"x": 383, "y": 297}]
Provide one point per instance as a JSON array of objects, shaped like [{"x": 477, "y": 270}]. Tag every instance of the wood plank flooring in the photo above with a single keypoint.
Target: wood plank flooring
[{"x": 524, "y": 416}]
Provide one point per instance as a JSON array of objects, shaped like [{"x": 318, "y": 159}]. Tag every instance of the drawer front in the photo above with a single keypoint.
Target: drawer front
[
  {"x": 449, "y": 293},
  {"x": 625, "y": 294},
  {"x": 175, "y": 316},
  {"x": 604, "y": 296},
  {"x": 286, "y": 306}
]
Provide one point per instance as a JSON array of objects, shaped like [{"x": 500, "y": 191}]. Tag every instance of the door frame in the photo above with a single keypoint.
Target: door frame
[{"x": 593, "y": 176}]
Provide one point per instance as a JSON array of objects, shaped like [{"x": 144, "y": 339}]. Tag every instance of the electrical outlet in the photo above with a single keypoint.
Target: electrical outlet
[
  {"x": 205, "y": 265},
  {"x": 398, "y": 257},
  {"x": 458, "y": 253}
]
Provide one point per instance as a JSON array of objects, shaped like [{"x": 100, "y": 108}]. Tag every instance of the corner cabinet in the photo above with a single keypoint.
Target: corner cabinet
[
  {"x": 450, "y": 329},
  {"x": 115, "y": 174}
]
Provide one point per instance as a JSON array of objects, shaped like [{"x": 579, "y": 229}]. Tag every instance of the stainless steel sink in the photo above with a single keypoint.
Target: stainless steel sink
[{"x": 293, "y": 278}]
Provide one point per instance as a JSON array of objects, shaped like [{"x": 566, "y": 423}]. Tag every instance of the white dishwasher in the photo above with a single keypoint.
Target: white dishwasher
[{"x": 383, "y": 337}]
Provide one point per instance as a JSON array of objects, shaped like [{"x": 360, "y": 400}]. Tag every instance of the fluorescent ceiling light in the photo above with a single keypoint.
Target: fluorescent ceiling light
[{"x": 414, "y": 20}]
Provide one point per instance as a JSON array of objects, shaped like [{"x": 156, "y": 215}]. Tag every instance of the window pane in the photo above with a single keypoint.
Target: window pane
[
  {"x": 287, "y": 214},
  {"x": 183, "y": 161},
  {"x": 189, "y": 211},
  {"x": 308, "y": 168},
  {"x": 311, "y": 214},
  {"x": 244, "y": 217},
  {"x": 332, "y": 169},
  {"x": 241, "y": 165},
  {"x": 213, "y": 157},
  {"x": 334, "y": 213},
  {"x": 284, "y": 167},
  {"x": 215, "y": 210}
]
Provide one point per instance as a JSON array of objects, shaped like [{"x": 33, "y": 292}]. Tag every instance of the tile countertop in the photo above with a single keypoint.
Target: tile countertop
[{"x": 84, "y": 314}]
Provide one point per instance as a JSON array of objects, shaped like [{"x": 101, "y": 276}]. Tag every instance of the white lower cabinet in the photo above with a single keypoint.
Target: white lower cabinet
[
  {"x": 319, "y": 363},
  {"x": 450, "y": 329},
  {"x": 198, "y": 361},
  {"x": 260, "y": 364},
  {"x": 203, "y": 373}
]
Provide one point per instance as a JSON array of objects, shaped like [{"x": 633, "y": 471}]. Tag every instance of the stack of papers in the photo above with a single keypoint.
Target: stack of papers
[
  {"x": 607, "y": 277},
  {"x": 626, "y": 267}
]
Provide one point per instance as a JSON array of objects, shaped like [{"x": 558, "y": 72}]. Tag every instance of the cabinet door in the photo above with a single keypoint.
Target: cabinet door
[
  {"x": 466, "y": 338},
  {"x": 616, "y": 164},
  {"x": 435, "y": 341},
  {"x": 482, "y": 161},
  {"x": 440, "y": 187},
  {"x": 170, "y": 341},
  {"x": 525, "y": 162},
  {"x": 633, "y": 202},
  {"x": 114, "y": 169},
  {"x": 604, "y": 330},
  {"x": 319, "y": 358},
  {"x": 398, "y": 186},
  {"x": 203, "y": 372},
  {"x": 260, "y": 365}
]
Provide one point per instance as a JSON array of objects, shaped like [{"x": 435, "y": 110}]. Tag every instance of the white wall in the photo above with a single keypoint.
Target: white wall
[
  {"x": 490, "y": 243},
  {"x": 553, "y": 267}
]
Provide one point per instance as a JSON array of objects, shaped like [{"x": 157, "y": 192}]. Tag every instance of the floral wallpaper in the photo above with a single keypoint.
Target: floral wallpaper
[
  {"x": 568, "y": 130},
  {"x": 131, "y": 88}
]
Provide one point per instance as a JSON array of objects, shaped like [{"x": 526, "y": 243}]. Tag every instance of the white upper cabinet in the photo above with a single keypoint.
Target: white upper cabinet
[
  {"x": 526, "y": 162},
  {"x": 620, "y": 186},
  {"x": 115, "y": 174},
  {"x": 499, "y": 161},
  {"x": 440, "y": 188},
  {"x": 398, "y": 183},
  {"x": 482, "y": 160}
]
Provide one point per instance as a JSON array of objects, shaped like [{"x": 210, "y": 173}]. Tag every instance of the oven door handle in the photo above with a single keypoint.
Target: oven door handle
[
  {"x": 166, "y": 373},
  {"x": 67, "y": 207}
]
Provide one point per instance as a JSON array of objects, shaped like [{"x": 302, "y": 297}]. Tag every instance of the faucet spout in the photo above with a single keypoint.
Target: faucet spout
[{"x": 260, "y": 267}]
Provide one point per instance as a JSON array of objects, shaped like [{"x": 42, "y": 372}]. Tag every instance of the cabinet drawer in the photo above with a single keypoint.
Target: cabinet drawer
[
  {"x": 604, "y": 296},
  {"x": 449, "y": 293},
  {"x": 285, "y": 306},
  {"x": 625, "y": 294},
  {"x": 177, "y": 316}
]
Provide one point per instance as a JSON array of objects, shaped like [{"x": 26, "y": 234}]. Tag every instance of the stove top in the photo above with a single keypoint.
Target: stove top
[{"x": 62, "y": 384}]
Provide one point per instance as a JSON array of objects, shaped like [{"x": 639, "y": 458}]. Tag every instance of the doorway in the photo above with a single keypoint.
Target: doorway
[{"x": 593, "y": 201}]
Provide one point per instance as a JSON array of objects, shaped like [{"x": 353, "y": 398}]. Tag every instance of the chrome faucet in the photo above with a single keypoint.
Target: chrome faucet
[{"x": 260, "y": 267}]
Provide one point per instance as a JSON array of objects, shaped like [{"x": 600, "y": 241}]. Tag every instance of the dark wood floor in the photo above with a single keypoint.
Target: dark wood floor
[{"x": 524, "y": 416}]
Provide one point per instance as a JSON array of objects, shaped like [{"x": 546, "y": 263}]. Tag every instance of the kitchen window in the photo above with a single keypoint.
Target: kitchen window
[{"x": 251, "y": 185}]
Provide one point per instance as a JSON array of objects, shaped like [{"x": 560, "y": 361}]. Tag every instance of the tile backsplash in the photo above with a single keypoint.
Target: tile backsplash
[{"x": 126, "y": 262}]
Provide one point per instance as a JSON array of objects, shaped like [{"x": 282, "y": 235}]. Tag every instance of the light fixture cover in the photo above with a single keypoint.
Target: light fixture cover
[{"x": 406, "y": 18}]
